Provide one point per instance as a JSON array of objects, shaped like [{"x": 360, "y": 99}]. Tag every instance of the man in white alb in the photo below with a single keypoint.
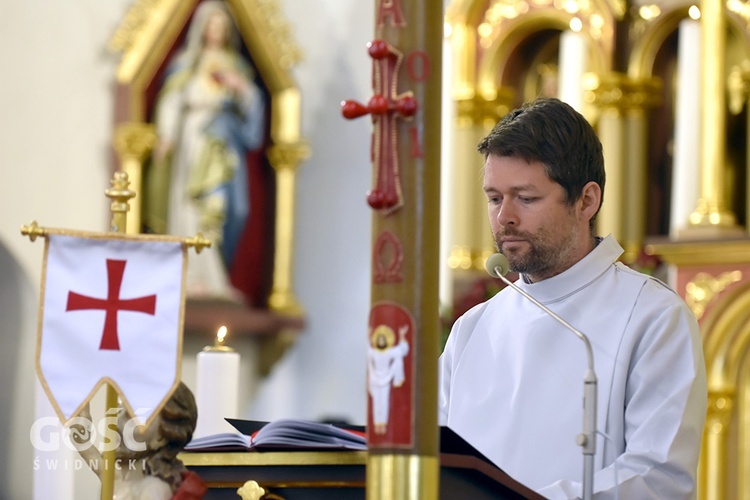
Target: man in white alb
[{"x": 511, "y": 377}]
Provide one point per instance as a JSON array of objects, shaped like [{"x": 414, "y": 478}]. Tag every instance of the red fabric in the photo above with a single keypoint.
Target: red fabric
[
  {"x": 252, "y": 269},
  {"x": 192, "y": 487}
]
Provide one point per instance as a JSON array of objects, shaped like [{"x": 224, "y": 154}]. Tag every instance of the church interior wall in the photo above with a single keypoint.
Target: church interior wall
[
  {"x": 56, "y": 116},
  {"x": 17, "y": 310},
  {"x": 56, "y": 103}
]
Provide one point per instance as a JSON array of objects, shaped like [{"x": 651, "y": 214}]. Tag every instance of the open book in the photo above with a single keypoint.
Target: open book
[{"x": 282, "y": 434}]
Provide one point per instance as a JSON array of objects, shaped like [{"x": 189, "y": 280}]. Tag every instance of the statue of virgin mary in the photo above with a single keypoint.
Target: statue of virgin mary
[{"x": 209, "y": 114}]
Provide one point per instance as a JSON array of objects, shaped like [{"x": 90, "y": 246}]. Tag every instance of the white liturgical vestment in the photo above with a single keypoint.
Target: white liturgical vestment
[{"x": 511, "y": 382}]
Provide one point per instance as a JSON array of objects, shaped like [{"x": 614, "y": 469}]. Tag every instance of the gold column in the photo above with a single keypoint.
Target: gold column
[
  {"x": 739, "y": 88},
  {"x": 712, "y": 217},
  {"x": 636, "y": 159},
  {"x": 285, "y": 158},
  {"x": 623, "y": 130},
  {"x": 611, "y": 131},
  {"x": 409, "y": 468},
  {"x": 711, "y": 473},
  {"x": 133, "y": 141},
  {"x": 642, "y": 95},
  {"x": 465, "y": 210},
  {"x": 473, "y": 239},
  {"x": 464, "y": 45}
]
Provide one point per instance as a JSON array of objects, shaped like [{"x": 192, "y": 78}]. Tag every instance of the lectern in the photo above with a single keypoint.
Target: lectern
[{"x": 331, "y": 475}]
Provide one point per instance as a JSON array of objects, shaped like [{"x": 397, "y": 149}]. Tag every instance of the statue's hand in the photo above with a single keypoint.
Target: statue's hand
[
  {"x": 80, "y": 433},
  {"x": 81, "y": 428}
]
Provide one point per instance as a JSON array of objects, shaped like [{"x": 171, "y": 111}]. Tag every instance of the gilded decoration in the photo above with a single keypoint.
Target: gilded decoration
[
  {"x": 620, "y": 92},
  {"x": 153, "y": 35},
  {"x": 704, "y": 287},
  {"x": 484, "y": 110},
  {"x": 147, "y": 39},
  {"x": 507, "y": 26},
  {"x": 510, "y": 47},
  {"x": 504, "y": 53},
  {"x": 738, "y": 86},
  {"x": 720, "y": 406},
  {"x": 146, "y": 18},
  {"x": 725, "y": 328},
  {"x": 726, "y": 449},
  {"x": 701, "y": 253},
  {"x": 133, "y": 141}
]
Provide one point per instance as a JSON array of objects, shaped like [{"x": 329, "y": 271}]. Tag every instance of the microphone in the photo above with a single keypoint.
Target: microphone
[{"x": 497, "y": 266}]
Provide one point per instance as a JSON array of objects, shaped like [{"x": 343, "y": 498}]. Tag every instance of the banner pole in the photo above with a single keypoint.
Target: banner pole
[{"x": 120, "y": 196}]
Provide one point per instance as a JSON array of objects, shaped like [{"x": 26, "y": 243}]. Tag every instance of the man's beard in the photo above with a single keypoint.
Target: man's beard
[{"x": 544, "y": 257}]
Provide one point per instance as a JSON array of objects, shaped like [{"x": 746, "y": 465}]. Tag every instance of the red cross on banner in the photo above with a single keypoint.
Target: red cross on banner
[
  {"x": 112, "y": 304},
  {"x": 111, "y": 312}
]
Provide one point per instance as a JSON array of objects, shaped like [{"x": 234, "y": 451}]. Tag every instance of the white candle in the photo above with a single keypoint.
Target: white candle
[
  {"x": 217, "y": 383},
  {"x": 573, "y": 57},
  {"x": 686, "y": 166}
]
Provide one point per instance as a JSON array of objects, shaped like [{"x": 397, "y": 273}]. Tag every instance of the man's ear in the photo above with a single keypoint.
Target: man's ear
[{"x": 591, "y": 199}]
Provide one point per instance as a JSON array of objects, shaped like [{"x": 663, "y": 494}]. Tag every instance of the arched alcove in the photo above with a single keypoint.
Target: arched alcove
[
  {"x": 725, "y": 457},
  {"x": 150, "y": 37},
  {"x": 654, "y": 55}
]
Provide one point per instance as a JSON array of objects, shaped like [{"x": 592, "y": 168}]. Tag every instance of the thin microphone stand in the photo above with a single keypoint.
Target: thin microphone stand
[{"x": 497, "y": 265}]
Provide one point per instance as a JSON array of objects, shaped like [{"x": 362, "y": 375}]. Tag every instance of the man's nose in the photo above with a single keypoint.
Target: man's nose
[{"x": 507, "y": 214}]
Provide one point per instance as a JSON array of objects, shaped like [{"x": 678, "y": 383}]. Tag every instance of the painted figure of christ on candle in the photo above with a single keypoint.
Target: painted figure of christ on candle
[
  {"x": 389, "y": 374},
  {"x": 385, "y": 369}
]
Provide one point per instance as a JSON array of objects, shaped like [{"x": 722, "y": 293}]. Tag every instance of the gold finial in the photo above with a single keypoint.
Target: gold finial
[
  {"x": 120, "y": 196},
  {"x": 199, "y": 242},
  {"x": 251, "y": 490},
  {"x": 33, "y": 230}
]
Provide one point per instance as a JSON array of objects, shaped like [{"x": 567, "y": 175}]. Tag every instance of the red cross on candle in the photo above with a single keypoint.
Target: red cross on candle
[
  {"x": 112, "y": 304},
  {"x": 384, "y": 107}
]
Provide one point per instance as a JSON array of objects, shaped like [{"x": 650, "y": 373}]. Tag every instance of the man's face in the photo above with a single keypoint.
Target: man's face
[{"x": 533, "y": 226}]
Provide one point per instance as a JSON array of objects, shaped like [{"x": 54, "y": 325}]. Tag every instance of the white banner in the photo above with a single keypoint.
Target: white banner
[{"x": 111, "y": 311}]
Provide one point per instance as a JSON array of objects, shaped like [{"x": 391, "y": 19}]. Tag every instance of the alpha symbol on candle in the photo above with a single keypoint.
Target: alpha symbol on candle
[
  {"x": 392, "y": 9},
  {"x": 113, "y": 304}
]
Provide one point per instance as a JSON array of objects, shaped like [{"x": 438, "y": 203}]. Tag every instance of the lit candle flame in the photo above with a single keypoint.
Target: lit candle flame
[{"x": 220, "y": 335}]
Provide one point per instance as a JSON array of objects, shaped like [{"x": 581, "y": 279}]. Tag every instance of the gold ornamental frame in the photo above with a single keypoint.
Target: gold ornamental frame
[
  {"x": 725, "y": 329},
  {"x": 148, "y": 31},
  {"x": 479, "y": 86},
  {"x": 726, "y": 445}
]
